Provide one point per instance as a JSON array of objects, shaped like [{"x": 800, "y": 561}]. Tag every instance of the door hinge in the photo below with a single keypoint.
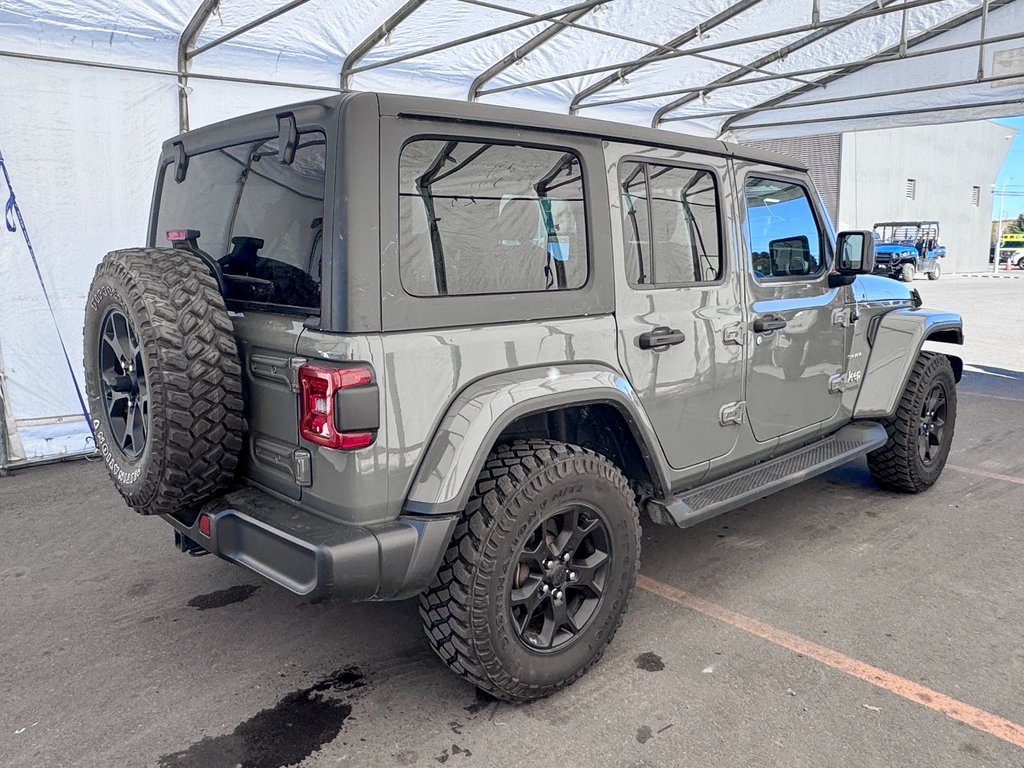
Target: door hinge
[
  {"x": 839, "y": 317},
  {"x": 732, "y": 413},
  {"x": 733, "y": 334},
  {"x": 837, "y": 382}
]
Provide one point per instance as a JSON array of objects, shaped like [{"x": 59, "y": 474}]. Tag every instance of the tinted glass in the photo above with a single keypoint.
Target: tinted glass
[
  {"x": 784, "y": 237},
  {"x": 670, "y": 224},
  {"x": 481, "y": 218},
  {"x": 261, "y": 220}
]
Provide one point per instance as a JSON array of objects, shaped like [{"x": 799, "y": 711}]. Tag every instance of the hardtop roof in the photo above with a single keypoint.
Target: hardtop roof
[{"x": 401, "y": 106}]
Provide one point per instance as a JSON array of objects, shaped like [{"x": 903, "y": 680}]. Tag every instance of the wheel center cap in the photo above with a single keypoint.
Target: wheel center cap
[{"x": 556, "y": 575}]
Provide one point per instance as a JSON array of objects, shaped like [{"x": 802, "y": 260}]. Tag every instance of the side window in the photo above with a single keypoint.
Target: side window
[
  {"x": 785, "y": 238},
  {"x": 261, "y": 220},
  {"x": 479, "y": 218},
  {"x": 670, "y": 224}
]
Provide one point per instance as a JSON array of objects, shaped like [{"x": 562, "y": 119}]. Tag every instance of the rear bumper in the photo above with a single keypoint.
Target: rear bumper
[{"x": 319, "y": 558}]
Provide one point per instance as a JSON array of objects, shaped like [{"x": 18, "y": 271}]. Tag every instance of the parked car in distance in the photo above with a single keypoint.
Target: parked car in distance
[
  {"x": 904, "y": 248},
  {"x": 1011, "y": 249}
]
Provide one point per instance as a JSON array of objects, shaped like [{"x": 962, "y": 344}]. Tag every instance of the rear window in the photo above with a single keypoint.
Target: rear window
[
  {"x": 479, "y": 218},
  {"x": 261, "y": 220}
]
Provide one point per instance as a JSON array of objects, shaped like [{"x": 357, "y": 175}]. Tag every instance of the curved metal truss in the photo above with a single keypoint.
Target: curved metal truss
[{"x": 684, "y": 103}]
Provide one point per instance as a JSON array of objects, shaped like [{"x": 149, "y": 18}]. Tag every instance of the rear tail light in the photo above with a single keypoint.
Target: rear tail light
[
  {"x": 339, "y": 406},
  {"x": 204, "y": 524}
]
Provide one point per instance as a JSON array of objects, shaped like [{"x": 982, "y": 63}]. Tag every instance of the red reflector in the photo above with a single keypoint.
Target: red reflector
[
  {"x": 177, "y": 234},
  {"x": 204, "y": 524},
  {"x": 352, "y": 440},
  {"x": 317, "y": 423}
]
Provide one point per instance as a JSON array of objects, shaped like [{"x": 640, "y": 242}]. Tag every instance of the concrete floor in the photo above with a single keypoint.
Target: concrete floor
[{"x": 119, "y": 651}]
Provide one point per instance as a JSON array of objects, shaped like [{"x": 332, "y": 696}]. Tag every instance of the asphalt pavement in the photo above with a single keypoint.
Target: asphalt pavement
[{"x": 833, "y": 624}]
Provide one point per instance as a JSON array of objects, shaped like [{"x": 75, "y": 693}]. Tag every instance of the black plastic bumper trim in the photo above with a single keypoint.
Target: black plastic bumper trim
[{"x": 321, "y": 559}]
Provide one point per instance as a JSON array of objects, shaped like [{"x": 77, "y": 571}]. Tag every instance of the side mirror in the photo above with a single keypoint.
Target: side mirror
[{"x": 856, "y": 253}]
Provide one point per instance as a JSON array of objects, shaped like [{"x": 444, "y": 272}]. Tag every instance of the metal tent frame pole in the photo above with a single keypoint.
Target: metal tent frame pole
[
  {"x": 830, "y": 24},
  {"x": 186, "y": 43},
  {"x": 887, "y": 55}
]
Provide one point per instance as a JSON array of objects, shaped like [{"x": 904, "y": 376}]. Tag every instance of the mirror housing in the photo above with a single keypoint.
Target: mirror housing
[{"x": 855, "y": 252}]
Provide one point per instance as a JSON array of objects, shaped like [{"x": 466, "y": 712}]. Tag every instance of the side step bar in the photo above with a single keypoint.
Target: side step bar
[{"x": 707, "y": 501}]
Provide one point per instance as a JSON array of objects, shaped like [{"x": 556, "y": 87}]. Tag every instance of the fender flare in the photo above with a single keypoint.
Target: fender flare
[
  {"x": 476, "y": 418},
  {"x": 896, "y": 339}
]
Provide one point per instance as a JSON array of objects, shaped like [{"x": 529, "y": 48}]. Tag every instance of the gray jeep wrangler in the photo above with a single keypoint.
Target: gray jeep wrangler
[{"x": 381, "y": 346}]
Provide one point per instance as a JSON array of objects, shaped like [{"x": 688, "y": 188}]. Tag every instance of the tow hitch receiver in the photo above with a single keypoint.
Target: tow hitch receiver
[{"x": 184, "y": 544}]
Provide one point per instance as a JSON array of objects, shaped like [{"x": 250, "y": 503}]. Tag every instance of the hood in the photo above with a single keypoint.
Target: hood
[
  {"x": 878, "y": 288},
  {"x": 894, "y": 248}
]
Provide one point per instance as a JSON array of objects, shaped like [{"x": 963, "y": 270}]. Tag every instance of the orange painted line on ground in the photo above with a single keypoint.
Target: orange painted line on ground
[
  {"x": 989, "y": 475},
  {"x": 994, "y": 725}
]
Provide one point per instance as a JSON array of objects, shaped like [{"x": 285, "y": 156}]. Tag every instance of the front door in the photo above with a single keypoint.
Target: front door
[
  {"x": 795, "y": 367},
  {"x": 679, "y": 303}
]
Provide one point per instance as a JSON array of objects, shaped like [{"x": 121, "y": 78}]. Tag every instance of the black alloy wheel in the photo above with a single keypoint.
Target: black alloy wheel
[
  {"x": 932, "y": 427},
  {"x": 123, "y": 389},
  {"x": 559, "y": 582}
]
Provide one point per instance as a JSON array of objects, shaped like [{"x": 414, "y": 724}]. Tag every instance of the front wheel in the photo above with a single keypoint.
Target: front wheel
[
  {"x": 1020, "y": 263},
  {"x": 907, "y": 273},
  {"x": 921, "y": 430},
  {"x": 538, "y": 573}
]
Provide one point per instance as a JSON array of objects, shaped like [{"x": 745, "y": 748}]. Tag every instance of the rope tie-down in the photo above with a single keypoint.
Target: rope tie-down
[{"x": 15, "y": 221}]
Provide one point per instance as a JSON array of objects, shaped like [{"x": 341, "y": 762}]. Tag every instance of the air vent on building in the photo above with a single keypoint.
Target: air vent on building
[
  {"x": 911, "y": 189},
  {"x": 975, "y": 196}
]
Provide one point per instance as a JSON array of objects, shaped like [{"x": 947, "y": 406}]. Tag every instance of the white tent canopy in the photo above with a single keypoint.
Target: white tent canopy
[{"x": 90, "y": 92}]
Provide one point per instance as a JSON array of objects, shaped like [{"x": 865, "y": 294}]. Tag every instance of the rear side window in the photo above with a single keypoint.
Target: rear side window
[
  {"x": 785, "y": 238},
  {"x": 670, "y": 224},
  {"x": 261, "y": 220},
  {"x": 479, "y": 218}
]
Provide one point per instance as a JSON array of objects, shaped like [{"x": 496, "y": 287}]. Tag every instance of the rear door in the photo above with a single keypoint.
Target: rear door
[
  {"x": 679, "y": 305},
  {"x": 797, "y": 323},
  {"x": 262, "y": 220}
]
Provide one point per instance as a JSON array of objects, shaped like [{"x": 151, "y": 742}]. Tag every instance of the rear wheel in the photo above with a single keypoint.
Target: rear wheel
[
  {"x": 921, "y": 430},
  {"x": 936, "y": 272},
  {"x": 907, "y": 272},
  {"x": 536, "y": 579},
  {"x": 1020, "y": 263}
]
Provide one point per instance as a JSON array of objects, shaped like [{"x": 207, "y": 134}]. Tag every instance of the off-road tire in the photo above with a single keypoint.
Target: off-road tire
[
  {"x": 907, "y": 272},
  {"x": 465, "y": 611},
  {"x": 192, "y": 372},
  {"x": 936, "y": 272},
  {"x": 897, "y": 465}
]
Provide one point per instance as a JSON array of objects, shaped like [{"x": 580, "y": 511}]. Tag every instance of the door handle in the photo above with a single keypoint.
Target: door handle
[
  {"x": 769, "y": 323},
  {"x": 662, "y": 336}
]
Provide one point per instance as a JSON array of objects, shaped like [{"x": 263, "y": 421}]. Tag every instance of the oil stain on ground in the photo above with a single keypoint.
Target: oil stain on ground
[
  {"x": 287, "y": 733},
  {"x": 649, "y": 662},
  {"x": 222, "y": 597}
]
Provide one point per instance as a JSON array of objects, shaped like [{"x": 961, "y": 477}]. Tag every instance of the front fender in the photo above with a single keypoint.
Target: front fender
[
  {"x": 895, "y": 343},
  {"x": 475, "y": 419}
]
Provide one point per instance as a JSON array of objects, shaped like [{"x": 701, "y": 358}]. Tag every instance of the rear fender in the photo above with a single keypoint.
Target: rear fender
[
  {"x": 896, "y": 341},
  {"x": 476, "y": 418}
]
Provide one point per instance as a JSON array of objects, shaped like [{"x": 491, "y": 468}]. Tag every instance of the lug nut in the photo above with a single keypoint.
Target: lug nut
[
  {"x": 565, "y": 557},
  {"x": 572, "y": 575},
  {"x": 558, "y": 594},
  {"x": 544, "y": 588}
]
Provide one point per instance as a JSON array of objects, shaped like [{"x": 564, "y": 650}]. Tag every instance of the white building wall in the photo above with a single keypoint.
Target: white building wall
[{"x": 946, "y": 162}]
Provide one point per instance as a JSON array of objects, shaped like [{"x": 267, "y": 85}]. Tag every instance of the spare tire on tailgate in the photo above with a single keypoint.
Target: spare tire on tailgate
[{"x": 163, "y": 379}]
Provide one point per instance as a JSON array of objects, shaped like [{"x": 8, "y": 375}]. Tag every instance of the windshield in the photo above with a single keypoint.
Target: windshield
[{"x": 259, "y": 219}]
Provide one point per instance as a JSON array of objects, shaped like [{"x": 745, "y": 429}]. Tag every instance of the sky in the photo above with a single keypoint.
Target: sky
[{"x": 1013, "y": 173}]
